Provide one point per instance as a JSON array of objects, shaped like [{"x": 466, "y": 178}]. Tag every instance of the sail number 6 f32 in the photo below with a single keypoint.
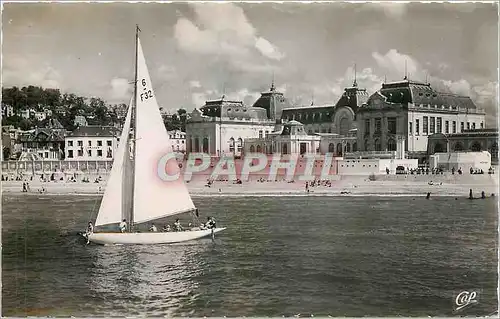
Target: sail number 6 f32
[{"x": 147, "y": 94}]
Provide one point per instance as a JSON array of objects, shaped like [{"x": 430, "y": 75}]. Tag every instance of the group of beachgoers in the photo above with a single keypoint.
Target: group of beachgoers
[{"x": 317, "y": 183}]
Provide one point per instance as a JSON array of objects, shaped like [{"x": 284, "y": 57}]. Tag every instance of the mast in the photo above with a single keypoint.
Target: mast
[{"x": 134, "y": 137}]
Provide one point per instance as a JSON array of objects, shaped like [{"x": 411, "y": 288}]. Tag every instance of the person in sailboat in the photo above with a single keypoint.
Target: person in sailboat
[
  {"x": 89, "y": 231},
  {"x": 166, "y": 228},
  {"x": 123, "y": 226},
  {"x": 177, "y": 225},
  {"x": 153, "y": 228},
  {"x": 210, "y": 223}
]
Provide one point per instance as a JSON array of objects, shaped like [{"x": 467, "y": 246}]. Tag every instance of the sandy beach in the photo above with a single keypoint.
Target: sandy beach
[{"x": 403, "y": 185}]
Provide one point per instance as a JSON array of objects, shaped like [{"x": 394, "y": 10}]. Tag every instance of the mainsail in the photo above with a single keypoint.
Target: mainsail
[
  {"x": 153, "y": 197},
  {"x": 112, "y": 204}
]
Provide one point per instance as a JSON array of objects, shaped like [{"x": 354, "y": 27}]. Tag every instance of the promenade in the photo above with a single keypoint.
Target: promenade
[{"x": 404, "y": 185}]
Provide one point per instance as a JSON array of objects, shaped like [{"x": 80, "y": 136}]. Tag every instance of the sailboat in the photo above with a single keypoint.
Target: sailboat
[{"x": 134, "y": 191}]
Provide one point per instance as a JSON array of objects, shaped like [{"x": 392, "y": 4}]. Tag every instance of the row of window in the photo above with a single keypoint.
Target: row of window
[
  {"x": 433, "y": 125},
  {"x": 99, "y": 153},
  {"x": 377, "y": 145},
  {"x": 391, "y": 125},
  {"x": 314, "y": 116},
  {"x": 99, "y": 143}
]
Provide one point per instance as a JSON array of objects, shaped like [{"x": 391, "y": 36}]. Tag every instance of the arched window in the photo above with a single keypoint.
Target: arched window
[
  {"x": 339, "y": 149},
  {"x": 240, "y": 144},
  {"x": 355, "y": 147},
  {"x": 476, "y": 147},
  {"x": 378, "y": 145},
  {"x": 259, "y": 149},
  {"x": 205, "y": 145},
  {"x": 196, "y": 144},
  {"x": 331, "y": 148},
  {"x": 391, "y": 145},
  {"x": 348, "y": 147},
  {"x": 231, "y": 145},
  {"x": 438, "y": 148},
  {"x": 458, "y": 147},
  {"x": 284, "y": 148},
  {"x": 344, "y": 126},
  {"x": 252, "y": 149}
]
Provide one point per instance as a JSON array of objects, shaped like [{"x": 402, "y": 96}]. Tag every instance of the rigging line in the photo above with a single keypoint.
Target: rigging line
[{"x": 93, "y": 209}]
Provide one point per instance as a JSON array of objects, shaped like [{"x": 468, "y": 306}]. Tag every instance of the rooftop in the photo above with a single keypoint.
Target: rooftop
[
  {"x": 94, "y": 131},
  {"x": 418, "y": 93}
]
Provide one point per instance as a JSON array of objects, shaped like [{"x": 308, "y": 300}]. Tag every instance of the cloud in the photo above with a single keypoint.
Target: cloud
[
  {"x": 222, "y": 29},
  {"x": 120, "y": 89},
  {"x": 461, "y": 87},
  {"x": 267, "y": 49},
  {"x": 396, "y": 10},
  {"x": 395, "y": 64},
  {"x": 195, "y": 84},
  {"x": 25, "y": 71}
]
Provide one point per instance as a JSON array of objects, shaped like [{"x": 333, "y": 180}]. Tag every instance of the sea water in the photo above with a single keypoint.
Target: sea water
[{"x": 337, "y": 256}]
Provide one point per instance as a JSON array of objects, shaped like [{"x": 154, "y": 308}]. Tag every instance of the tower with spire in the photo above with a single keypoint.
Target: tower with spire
[{"x": 355, "y": 84}]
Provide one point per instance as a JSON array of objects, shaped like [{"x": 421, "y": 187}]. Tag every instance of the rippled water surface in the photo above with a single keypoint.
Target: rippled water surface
[{"x": 348, "y": 256}]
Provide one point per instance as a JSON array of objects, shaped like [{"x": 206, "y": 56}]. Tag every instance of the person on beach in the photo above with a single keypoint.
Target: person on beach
[
  {"x": 153, "y": 228},
  {"x": 123, "y": 226}
]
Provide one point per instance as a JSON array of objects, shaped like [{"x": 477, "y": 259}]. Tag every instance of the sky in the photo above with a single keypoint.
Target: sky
[{"x": 199, "y": 51}]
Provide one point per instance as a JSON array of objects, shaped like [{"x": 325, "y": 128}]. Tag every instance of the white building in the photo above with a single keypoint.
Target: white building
[
  {"x": 80, "y": 120},
  {"x": 91, "y": 143},
  {"x": 221, "y": 126},
  {"x": 7, "y": 110},
  {"x": 287, "y": 138},
  {"x": 330, "y": 119},
  {"x": 27, "y": 113},
  {"x": 40, "y": 116},
  {"x": 414, "y": 111},
  {"x": 462, "y": 160},
  {"x": 177, "y": 141},
  {"x": 209, "y": 132}
]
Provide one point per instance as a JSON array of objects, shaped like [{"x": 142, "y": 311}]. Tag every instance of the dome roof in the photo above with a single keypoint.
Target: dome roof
[{"x": 294, "y": 123}]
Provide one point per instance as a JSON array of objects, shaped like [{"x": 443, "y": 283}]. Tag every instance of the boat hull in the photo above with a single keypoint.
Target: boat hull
[{"x": 150, "y": 237}]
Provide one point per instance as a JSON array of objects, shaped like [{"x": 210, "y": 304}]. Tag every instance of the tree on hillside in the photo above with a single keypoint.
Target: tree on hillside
[{"x": 176, "y": 121}]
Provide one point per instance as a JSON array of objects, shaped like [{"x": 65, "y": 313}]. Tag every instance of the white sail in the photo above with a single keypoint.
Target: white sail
[
  {"x": 153, "y": 197},
  {"x": 111, "y": 209}
]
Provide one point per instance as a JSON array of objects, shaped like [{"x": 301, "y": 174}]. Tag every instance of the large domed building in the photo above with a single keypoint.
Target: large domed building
[
  {"x": 411, "y": 111},
  {"x": 337, "y": 119}
]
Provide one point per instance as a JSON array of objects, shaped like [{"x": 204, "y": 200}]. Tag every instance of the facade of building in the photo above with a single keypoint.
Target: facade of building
[
  {"x": 221, "y": 126},
  {"x": 477, "y": 140},
  {"x": 80, "y": 120},
  {"x": 336, "y": 119},
  {"x": 464, "y": 161},
  {"x": 7, "y": 110},
  {"x": 91, "y": 143},
  {"x": 44, "y": 143},
  {"x": 338, "y": 144},
  {"x": 414, "y": 111},
  {"x": 287, "y": 138},
  {"x": 177, "y": 141}
]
